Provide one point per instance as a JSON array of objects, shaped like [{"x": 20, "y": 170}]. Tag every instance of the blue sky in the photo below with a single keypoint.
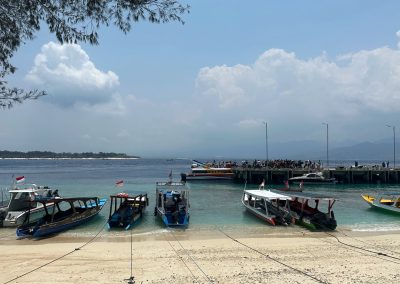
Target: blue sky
[{"x": 203, "y": 89}]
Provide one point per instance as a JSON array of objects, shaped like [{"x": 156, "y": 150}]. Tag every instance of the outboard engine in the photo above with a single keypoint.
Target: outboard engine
[{"x": 3, "y": 214}]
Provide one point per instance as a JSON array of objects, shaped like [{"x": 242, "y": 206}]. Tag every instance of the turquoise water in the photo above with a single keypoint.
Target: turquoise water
[{"x": 212, "y": 204}]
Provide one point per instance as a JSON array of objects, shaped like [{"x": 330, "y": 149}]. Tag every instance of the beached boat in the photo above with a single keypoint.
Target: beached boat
[
  {"x": 269, "y": 206},
  {"x": 201, "y": 171},
  {"x": 389, "y": 202},
  {"x": 172, "y": 203},
  {"x": 22, "y": 201},
  {"x": 313, "y": 178},
  {"x": 127, "y": 208},
  {"x": 64, "y": 213},
  {"x": 307, "y": 211}
]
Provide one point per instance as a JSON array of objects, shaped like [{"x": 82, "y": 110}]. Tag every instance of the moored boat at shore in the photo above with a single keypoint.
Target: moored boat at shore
[
  {"x": 307, "y": 211},
  {"x": 65, "y": 213},
  {"x": 22, "y": 202},
  {"x": 172, "y": 203},
  {"x": 126, "y": 209},
  {"x": 268, "y": 206},
  {"x": 389, "y": 202}
]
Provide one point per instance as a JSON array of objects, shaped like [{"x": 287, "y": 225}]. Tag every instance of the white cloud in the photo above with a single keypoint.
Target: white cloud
[
  {"x": 280, "y": 83},
  {"x": 67, "y": 73},
  {"x": 249, "y": 123}
]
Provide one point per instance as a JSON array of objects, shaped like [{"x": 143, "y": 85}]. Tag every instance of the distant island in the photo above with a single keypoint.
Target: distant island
[{"x": 64, "y": 155}]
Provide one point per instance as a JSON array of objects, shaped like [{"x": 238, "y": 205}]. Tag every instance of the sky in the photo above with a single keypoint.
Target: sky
[{"x": 206, "y": 88}]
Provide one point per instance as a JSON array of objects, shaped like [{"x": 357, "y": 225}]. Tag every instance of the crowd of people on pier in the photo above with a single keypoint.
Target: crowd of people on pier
[{"x": 282, "y": 164}]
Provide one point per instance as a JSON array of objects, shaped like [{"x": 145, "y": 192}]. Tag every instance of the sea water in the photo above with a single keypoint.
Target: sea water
[{"x": 212, "y": 204}]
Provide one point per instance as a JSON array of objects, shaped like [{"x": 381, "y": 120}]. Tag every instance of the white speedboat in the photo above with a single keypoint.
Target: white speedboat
[
  {"x": 23, "y": 200},
  {"x": 312, "y": 178},
  {"x": 201, "y": 171}
]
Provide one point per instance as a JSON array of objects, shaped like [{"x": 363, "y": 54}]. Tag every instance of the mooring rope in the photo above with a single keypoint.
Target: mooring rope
[
  {"x": 58, "y": 258},
  {"x": 366, "y": 250},
  {"x": 195, "y": 262},
  {"x": 273, "y": 259},
  {"x": 131, "y": 279},
  {"x": 180, "y": 257},
  {"x": 367, "y": 243}
]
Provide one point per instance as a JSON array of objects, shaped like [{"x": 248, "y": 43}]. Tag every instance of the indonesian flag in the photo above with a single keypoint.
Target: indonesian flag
[
  {"x": 20, "y": 179},
  {"x": 119, "y": 183}
]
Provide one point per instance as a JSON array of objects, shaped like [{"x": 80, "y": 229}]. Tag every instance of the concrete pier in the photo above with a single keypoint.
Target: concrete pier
[{"x": 342, "y": 174}]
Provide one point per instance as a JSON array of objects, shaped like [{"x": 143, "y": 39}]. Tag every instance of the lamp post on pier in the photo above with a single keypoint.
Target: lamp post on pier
[
  {"x": 327, "y": 143},
  {"x": 394, "y": 144},
  {"x": 266, "y": 150},
  {"x": 266, "y": 142}
]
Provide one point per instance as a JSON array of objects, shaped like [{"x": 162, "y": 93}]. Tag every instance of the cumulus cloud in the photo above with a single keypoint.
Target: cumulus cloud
[
  {"x": 281, "y": 83},
  {"x": 69, "y": 76}
]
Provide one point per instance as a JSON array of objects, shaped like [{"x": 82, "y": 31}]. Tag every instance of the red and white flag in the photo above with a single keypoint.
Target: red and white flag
[
  {"x": 119, "y": 183},
  {"x": 20, "y": 179}
]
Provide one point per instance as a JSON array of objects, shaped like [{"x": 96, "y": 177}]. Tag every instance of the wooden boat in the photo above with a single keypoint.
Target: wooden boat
[
  {"x": 389, "y": 202},
  {"x": 66, "y": 213},
  {"x": 269, "y": 206},
  {"x": 23, "y": 201},
  {"x": 306, "y": 208},
  {"x": 126, "y": 208},
  {"x": 172, "y": 203}
]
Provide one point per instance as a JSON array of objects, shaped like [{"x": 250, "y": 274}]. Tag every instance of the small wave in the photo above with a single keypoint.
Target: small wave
[{"x": 387, "y": 227}]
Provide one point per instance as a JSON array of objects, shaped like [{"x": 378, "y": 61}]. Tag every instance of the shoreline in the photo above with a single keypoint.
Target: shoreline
[{"x": 206, "y": 256}]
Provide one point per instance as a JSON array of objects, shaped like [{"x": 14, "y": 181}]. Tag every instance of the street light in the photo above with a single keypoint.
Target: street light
[
  {"x": 394, "y": 145},
  {"x": 327, "y": 143},
  {"x": 266, "y": 142}
]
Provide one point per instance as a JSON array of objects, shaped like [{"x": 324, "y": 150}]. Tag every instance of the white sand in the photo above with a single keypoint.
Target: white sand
[{"x": 298, "y": 256}]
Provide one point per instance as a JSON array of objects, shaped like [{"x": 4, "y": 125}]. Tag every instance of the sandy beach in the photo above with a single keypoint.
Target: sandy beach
[{"x": 205, "y": 256}]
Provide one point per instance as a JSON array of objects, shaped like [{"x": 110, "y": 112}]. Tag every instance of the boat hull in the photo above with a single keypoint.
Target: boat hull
[
  {"x": 17, "y": 218},
  {"x": 182, "y": 220},
  {"x": 382, "y": 207},
  {"x": 41, "y": 229},
  {"x": 205, "y": 177},
  {"x": 270, "y": 220}
]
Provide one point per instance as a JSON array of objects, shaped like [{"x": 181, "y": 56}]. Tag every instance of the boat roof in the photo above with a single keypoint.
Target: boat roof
[
  {"x": 130, "y": 193},
  {"x": 61, "y": 199},
  {"x": 267, "y": 194},
  {"x": 313, "y": 196},
  {"x": 29, "y": 188}
]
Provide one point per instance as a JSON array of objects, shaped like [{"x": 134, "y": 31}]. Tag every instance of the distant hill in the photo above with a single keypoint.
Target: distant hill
[
  {"x": 64, "y": 155},
  {"x": 380, "y": 150}
]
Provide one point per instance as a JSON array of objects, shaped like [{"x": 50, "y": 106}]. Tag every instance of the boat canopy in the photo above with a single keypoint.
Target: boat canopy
[
  {"x": 267, "y": 194},
  {"x": 129, "y": 194},
  {"x": 312, "y": 196}
]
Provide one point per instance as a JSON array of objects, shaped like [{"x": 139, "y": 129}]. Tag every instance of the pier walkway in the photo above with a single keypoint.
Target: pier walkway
[{"x": 349, "y": 175}]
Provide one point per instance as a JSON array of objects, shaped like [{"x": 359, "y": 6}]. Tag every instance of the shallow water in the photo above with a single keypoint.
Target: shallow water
[{"x": 213, "y": 204}]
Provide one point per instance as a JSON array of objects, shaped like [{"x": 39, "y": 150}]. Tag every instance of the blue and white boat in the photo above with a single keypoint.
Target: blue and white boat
[
  {"x": 65, "y": 213},
  {"x": 172, "y": 203},
  {"x": 126, "y": 209}
]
